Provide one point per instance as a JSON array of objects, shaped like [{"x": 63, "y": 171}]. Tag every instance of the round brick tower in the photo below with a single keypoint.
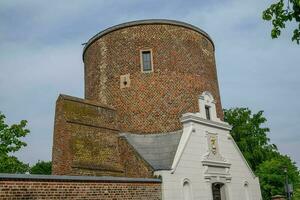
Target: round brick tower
[{"x": 151, "y": 71}]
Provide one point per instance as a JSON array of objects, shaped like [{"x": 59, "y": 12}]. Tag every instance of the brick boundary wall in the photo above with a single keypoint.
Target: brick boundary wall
[{"x": 16, "y": 186}]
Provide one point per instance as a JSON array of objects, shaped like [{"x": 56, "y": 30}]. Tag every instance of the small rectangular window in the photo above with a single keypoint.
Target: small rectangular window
[
  {"x": 207, "y": 111},
  {"x": 146, "y": 61}
]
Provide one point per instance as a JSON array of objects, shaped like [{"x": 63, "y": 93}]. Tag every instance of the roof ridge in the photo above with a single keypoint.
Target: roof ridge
[{"x": 150, "y": 134}]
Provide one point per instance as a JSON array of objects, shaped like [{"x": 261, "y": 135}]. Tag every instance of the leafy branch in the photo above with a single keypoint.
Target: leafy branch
[{"x": 280, "y": 13}]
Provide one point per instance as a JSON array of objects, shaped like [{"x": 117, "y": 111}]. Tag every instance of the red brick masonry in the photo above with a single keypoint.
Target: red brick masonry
[
  {"x": 86, "y": 142},
  {"x": 80, "y": 187},
  {"x": 86, "y": 132},
  {"x": 183, "y": 68}
]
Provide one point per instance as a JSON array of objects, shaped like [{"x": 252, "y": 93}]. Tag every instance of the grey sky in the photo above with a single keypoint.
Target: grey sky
[{"x": 40, "y": 57}]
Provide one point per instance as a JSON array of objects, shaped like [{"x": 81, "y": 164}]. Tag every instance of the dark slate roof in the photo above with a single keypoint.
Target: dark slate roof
[{"x": 156, "y": 149}]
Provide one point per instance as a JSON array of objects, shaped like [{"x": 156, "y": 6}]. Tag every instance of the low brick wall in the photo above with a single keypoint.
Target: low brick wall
[{"x": 78, "y": 187}]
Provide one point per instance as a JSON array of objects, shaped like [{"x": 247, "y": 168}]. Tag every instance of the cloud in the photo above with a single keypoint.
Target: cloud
[
  {"x": 40, "y": 45},
  {"x": 31, "y": 80}
]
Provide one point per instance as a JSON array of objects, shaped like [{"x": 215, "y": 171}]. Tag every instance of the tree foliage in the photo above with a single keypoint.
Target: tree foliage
[
  {"x": 272, "y": 175},
  {"x": 41, "y": 167},
  {"x": 280, "y": 13},
  {"x": 250, "y": 135},
  {"x": 10, "y": 142},
  {"x": 11, "y": 164},
  {"x": 296, "y": 195}
]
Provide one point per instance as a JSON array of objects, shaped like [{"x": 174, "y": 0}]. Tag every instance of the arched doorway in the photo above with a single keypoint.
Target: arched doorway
[{"x": 218, "y": 191}]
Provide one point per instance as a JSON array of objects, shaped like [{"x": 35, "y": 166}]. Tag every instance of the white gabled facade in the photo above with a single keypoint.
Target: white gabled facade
[{"x": 208, "y": 165}]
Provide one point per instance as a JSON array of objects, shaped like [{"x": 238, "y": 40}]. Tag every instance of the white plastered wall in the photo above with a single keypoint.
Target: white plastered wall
[{"x": 188, "y": 163}]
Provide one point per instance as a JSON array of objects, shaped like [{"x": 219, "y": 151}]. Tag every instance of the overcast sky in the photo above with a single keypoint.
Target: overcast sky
[{"x": 40, "y": 57}]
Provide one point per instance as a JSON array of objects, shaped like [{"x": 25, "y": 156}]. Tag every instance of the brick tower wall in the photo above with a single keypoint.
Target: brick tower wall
[
  {"x": 184, "y": 67},
  {"x": 86, "y": 142}
]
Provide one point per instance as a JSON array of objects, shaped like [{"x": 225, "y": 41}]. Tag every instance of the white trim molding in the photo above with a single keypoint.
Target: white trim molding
[
  {"x": 182, "y": 144},
  {"x": 197, "y": 118},
  {"x": 141, "y": 60},
  {"x": 206, "y": 99}
]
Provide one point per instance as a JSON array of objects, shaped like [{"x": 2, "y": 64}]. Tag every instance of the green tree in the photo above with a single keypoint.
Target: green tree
[
  {"x": 282, "y": 12},
  {"x": 250, "y": 135},
  {"x": 41, "y": 167},
  {"x": 10, "y": 142},
  {"x": 272, "y": 176},
  {"x": 296, "y": 195}
]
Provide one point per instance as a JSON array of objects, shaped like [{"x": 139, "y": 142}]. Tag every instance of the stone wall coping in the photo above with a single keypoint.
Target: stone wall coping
[
  {"x": 144, "y": 22},
  {"x": 194, "y": 117},
  {"x": 85, "y": 101},
  {"x": 63, "y": 178}
]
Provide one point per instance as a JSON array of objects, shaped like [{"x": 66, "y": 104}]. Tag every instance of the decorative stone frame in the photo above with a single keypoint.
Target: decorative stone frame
[
  {"x": 226, "y": 181},
  {"x": 213, "y": 155},
  {"x": 125, "y": 81},
  {"x": 217, "y": 169},
  {"x": 224, "y": 190},
  {"x": 206, "y": 99},
  {"x": 141, "y": 60}
]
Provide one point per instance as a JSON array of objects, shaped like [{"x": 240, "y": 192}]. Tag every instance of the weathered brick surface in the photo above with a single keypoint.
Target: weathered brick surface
[
  {"x": 85, "y": 139},
  {"x": 134, "y": 164},
  {"x": 43, "y": 189},
  {"x": 184, "y": 67},
  {"x": 86, "y": 142}
]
